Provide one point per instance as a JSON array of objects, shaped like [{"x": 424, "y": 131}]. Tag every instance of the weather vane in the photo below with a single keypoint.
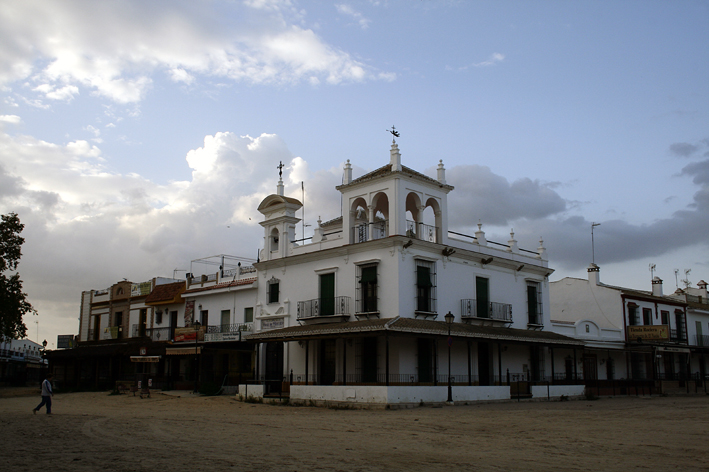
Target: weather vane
[
  {"x": 394, "y": 133},
  {"x": 280, "y": 170}
]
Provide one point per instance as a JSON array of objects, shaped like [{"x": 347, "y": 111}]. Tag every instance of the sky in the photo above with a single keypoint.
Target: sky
[{"x": 138, "y": 136}]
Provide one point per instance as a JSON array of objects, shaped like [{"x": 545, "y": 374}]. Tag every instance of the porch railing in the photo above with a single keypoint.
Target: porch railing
[
  {"x": 470, "y": 308},
  {"x": 323, "y": 307},
  {"x": 159, "y": 334},
  {"x": 701, "y": 340}
]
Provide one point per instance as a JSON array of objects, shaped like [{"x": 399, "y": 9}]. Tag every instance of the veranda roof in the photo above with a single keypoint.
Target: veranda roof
[{"x": 410, "y": 326}]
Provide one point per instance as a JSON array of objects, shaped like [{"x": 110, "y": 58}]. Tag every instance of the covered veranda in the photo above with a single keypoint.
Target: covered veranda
[{"x": 405, "y": 360}]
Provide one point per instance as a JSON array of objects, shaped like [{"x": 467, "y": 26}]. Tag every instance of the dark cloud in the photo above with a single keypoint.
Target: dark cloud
[
  {"x": 683, "y": 149},
  {"x": 699, "y": 171},
  {"x": 482, "y": 195}
]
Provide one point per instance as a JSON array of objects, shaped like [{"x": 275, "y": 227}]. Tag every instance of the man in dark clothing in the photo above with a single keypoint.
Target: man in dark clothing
[{"x": 46, "y": 395}]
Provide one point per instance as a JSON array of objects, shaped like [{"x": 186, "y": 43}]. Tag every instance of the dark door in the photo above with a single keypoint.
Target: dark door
[
  {"x": 669, "y": 364},
  {"x": 328, "y": 353},
  {"x": 484, "y": 363},
  {"x": 274, "y": 367},
  {"x": 97, "y": 327},
  {"x": 119, "y": 324},
  {"x": 369, "y": 360},
  {"x": 590, "y": 367},
  {"x": 173, "y": 324},
  {"x": 482, "y": 294},
  {"x": 142, "y": 320},
  {"x": 327, "y": 294},
  {"x": 425, "y": 360}
]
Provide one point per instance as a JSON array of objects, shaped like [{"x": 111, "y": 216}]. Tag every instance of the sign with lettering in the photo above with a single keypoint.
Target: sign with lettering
[
  {"x": 272, "y": 324},
  {"x": 216, "y": 337},
  {"x": 649, "y": 333},
  {"x": 189, "y": 334}
]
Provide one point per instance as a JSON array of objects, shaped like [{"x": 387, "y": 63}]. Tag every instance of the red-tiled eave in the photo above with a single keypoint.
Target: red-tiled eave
[
  {"x": 235, "y": 283},
  {"x": 165, "y": 294}
]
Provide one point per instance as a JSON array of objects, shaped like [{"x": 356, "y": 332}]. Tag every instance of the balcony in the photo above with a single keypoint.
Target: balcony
[
  {"x": 422, "y": 231},
  {"x": 678, "y": 336},
  {"x": 226, "y": 332},
  {"x": 701, "y": 340},
  {"x": 369, "y": 231},
  {"x": 482, "y": 313},
  {"x": 324, "y": 310}
]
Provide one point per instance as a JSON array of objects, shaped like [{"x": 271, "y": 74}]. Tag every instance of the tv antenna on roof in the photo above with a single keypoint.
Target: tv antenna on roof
[
  {"x": 593, "y": 246},
  {"x": 676, "y": 281},
  {"x": 652, "y": 271}
]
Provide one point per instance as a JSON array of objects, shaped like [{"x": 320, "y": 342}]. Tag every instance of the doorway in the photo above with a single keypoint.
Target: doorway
[{"x": 328, "y": 353}]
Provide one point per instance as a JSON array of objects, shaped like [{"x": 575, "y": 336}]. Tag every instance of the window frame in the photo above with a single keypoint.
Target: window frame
[
  {"x": 425, "y": 293},
  {"x": 367, "y": 298},
  {"x": 270, "y": 297},
  {"x": 537, "y": 303}
]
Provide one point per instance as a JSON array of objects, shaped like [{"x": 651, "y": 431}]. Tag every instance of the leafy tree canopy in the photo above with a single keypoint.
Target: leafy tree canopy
[{"x": 13, "y": 302}]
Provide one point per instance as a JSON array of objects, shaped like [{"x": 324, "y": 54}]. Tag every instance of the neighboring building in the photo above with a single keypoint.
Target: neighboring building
[
  {"x": 628, "y": 333},
  {"x": 21, "y": 362},
  {"x": 697, "y": 326},
  {"x": 357, "y": 314}
]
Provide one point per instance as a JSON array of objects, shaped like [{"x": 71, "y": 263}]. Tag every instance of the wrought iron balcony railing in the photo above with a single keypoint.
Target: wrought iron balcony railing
[
  {"x": 229, "y": 328},
  {"x": 370, "y": 231},
  {"x": 324, "y": 307},
  {"x": 701, "y": 340},
  {"x": 471, "y": 308},
  {"x": 422, "y": 231},
  {"x": 678, "y": 336}
]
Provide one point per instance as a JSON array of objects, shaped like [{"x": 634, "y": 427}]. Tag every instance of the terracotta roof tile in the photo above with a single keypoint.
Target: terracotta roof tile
[{"x": 165, "y": 292}]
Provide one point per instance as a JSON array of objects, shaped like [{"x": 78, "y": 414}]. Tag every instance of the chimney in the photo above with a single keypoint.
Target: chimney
[
  {"x": 657, "y": 286},
  {"x": 594, "y": 274}
]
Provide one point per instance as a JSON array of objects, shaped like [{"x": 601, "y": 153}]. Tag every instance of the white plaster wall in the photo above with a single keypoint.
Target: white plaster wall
[
  {"x": 396, "y": 395},
  {"x": 234, "y": 301},
  {"x": 247, "y": 391},
  {"x": 576, "y": 299},
  {"x": 540, "y": 391}
]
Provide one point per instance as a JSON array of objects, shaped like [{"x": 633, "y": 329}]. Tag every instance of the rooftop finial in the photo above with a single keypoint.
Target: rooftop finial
[
  {"x": 395, "y": 134},
  {"x": 280, "y": 170}
]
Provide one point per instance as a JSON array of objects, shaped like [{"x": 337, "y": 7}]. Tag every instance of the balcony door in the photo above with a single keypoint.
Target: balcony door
[
  {"x": 327, "y": 294},
  {"x": 482, "y": 295}
]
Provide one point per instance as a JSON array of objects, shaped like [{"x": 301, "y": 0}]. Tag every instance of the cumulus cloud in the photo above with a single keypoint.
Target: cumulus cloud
[
  {"x": 112, "y": 48},
  {"x": 12, "y": 119}
]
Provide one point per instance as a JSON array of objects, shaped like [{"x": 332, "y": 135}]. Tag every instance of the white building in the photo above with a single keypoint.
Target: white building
[
  {"x": 629, "y": 334},
  {"x": 357, "y": 314}
]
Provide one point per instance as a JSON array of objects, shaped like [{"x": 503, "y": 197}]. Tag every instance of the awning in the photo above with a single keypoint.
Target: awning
[
  {"x": 182, "y": 351},
  {"x": 145, "y": 358},
  {"x": 414, "y": 327}
]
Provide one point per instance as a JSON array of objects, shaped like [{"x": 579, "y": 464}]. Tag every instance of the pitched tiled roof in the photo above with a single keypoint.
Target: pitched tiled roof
[
  {"x": 234, "y": 283},
  {"x": 165, "y": 293},
  {"x": 413, "y": 326}
]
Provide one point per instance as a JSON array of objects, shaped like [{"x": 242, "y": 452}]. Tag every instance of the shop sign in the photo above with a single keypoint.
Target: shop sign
[
  {"x": 648, "y": 333},
  {"x": 216, "y": 337},
  {"x": 272, "y": 324}
]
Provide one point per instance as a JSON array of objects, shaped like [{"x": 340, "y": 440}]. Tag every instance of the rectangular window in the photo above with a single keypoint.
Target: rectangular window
[
  {"x": 204, "y": 317},
  {"x": 226, "y": 318},
  {"x": 482, "y": 295},
  {"x": 273, "y": 288},
  {"x": 665, "y": 317},
  {"x": 534, "y": 303},
  {"x": 158, "y": 317},
  {"x": 425, "y": 286},
  {"x": 249, "y": 314},
  {"x": 632, "y": 315},
  {"x": 647, "y": 316},
  {"x": 367, "y": 289}
]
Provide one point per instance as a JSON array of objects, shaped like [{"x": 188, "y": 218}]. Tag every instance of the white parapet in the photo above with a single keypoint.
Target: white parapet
[
  {"x": 395, "y": 395},
  {"x": 555, "y": 391}
]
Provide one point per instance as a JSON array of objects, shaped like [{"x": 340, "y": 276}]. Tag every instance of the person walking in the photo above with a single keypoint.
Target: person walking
[{"x": 47, "y": 395}]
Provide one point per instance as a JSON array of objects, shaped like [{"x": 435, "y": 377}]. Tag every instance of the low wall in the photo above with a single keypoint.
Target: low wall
[
  {"x": 246, "y": 391},
  {"x": 540, "y": 391},
  {"x": 395, "y": 395}
]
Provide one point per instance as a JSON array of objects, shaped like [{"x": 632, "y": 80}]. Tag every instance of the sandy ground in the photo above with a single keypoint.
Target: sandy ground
[{"x": 95, "y": 431}]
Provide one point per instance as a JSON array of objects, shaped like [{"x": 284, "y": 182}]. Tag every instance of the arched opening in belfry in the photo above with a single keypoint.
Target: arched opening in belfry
[
  {"x": 273, "y": 240},
  {"x": 380, "y": 222},
  {"x": 359, "y": 220},
  {"x": 413, "y": 214},
  {"x": 431, "y": 221}
]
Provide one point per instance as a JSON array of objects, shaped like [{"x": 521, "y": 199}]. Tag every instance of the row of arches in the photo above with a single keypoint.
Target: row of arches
[{"x": 371, "y": 220}]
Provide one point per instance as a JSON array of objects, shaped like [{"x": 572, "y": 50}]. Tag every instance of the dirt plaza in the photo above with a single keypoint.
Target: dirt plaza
[{"x": 97, "y": 431}]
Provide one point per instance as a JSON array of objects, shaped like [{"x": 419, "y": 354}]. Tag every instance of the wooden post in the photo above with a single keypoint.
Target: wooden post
[
  {"x": 470, "y": 367},
  {"x": 499, "y": 362},
  {"x": 386, "y": 337},
  {"x": 552, "y": 364},
  {"x": 307, "y": 347},
  {"x": 344, "y": 361}
]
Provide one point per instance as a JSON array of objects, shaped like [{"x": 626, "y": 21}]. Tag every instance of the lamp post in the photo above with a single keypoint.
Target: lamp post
[
  {"x": 449, "y": 321},
  {"x": 196, "y": 326}
]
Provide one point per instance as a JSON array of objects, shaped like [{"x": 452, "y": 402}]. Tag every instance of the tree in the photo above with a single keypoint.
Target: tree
[{"x": 13, "y": 302}]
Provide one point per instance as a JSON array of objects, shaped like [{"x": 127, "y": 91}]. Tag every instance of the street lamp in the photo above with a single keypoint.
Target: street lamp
[
  {"x": 449, "y": 321},
  {"x": 196, "y": 327}
]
